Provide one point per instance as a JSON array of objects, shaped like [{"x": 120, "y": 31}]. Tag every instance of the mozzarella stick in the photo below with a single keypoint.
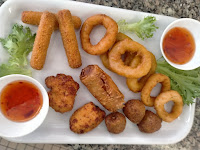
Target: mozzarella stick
[
  {"x": 33, "y": 17},
  {"x": 69, "y": 38},
  {"x": 42, "y": 40}
]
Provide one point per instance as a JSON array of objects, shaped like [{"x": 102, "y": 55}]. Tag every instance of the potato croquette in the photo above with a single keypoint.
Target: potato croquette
[
  {"x": 150, "y": 123},
  {"x": 33, "y": 17},
  {"x": 63, "y": 92},
  {"x": 70, "y": 42},
  {"x": 134, "y": 110},
  {"x": 42, "y": 40},
  {"x": 115, "y": 122},
  {"x": 86, "y": 118},
  {"x": 102, "y": 87}
]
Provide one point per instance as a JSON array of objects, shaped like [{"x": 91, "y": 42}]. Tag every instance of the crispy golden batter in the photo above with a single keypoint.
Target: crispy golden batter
[
  {"x": 42, "y": 40},
  {"x": 136, "y": 85},
  {"x": 102, "y": 87},
  {"x": 69, "y": 38},
  {"x": 134, "y": 110},
  {"x": 33, "y": 17},
  {"x": 104, "y": 57},
  {"x": 62, "y": 93},
  {"x": 164, "y": 98},
  {"x": 150, "y": 123},
  {"x": 117, "y": 64},
  {"x": 106, "y": 42},
  {"x": 151, "y": 82},
  {"x": 86, "y": 118},
  {"x": 115, "y": 122}
]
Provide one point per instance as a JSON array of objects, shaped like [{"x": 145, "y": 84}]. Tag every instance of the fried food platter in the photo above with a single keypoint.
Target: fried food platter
[{"x": 55, "y": 128}]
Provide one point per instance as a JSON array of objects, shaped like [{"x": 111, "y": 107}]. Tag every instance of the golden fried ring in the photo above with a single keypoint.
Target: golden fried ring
[
  {"x": 150, "y": 84},
  {"x": 104, "y": 57},
  {"x": 136, "y": 85},
  {"x": 118, "y": 66},
  {"x": 106, "y": 42},
  {"x": 165, "y": 97},
  {"x": 129, "y": 58}
]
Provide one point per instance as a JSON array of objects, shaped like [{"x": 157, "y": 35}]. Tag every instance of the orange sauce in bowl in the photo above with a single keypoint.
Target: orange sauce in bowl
[
  {"x": 20, "y": 101},
  {"x": 179, "y": 45}
]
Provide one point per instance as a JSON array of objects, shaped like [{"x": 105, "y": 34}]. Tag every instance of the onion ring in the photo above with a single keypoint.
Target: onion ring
[
  {"x": 106, "y": 42},
  {"x": 118, "y": 66},
  {"x": 176, "y": 110},
  {"x": 136, "y": 85},
  {"x": 128, "y": 58},
  {"x": 150, "y": 84},
  {"x": 104, "y": 57}
]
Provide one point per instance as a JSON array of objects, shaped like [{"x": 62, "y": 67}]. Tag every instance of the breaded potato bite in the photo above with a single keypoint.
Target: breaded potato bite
[
  {"x": 62, "y": 93},
  {"x": 134, "y": 110},
  {"x": 115, "y": 122},
  {"x": 150, "y": 123},
  {"x": 86, "y": 118}
]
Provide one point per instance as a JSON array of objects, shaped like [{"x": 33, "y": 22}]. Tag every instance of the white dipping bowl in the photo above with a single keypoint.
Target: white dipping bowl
[
  {"x": 194, "y": 27},
  {"x": 11, "y": 129}
]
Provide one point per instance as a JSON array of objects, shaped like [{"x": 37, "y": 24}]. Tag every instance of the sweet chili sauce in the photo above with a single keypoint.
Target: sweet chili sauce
[
  {"x": 20, "y": 101},
  {"x": 179, "y": 45}
]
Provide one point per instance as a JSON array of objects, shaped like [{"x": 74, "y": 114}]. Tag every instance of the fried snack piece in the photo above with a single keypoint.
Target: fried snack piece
[
  {"x": 176, "y": 110},
  {"x": 118, "y": 66},
  {"x": 134, "y": 110},
  {"x": 150, "y": 84},
  {"x": 69, "y": 38},
  {"x": 115, "y": 122},
  {"x": 121, "y": 37},
  {"x": 63, "y": 92},
  {"x": 106, "y": 42},
  {"x": 136, "y": 85},
  {"x": 104, "y": 57},
  {"x": 86, "y": 118},
  {"x": 102, "y": 87},
  {"x": 33, "y": 18},
  {"x": 129, "y": 58},
  {"x": 42, "y": 40},
  {"x": 150, "y": 123}
]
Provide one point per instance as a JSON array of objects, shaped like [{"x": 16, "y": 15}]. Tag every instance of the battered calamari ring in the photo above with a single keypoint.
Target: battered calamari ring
[
  {"x": 176, "y": 110},
  {"x": 118, "y": 66},
  {"x": 136, "y": 85},
  {"x": 104, "y": 57},
  {"x": 150, "y": 84},
  {"x": 106, "y": 42}
]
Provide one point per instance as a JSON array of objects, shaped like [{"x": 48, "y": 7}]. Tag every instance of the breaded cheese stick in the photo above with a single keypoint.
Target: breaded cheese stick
[
  {"x": 42, "y": 40},
  {"x": 69, "y": 38},
  {"x": 102, "y": 87},
  {"x": 33, "y": 17}
]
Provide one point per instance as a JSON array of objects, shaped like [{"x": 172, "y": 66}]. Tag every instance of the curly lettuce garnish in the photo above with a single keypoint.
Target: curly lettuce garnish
[
  {"x": 18, "y": 44},
  {"x": 143, "y": 28},
  {"x": 186, "y": 82}
]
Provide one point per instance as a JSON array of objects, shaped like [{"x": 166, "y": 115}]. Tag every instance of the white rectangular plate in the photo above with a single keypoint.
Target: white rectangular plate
[{"x": 55, "y": 128}]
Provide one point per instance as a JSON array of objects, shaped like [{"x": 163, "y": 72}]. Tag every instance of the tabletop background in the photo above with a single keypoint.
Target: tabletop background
[{"x": 174, "y": 8}]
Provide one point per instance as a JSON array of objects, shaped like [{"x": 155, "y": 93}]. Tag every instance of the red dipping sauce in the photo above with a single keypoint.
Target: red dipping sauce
[
  {"x": 179, "y": 45},
  {"x": 20, "y": 101}
]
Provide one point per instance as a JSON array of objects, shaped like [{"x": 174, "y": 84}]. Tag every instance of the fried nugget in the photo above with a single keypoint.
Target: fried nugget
[
  {"x": 102, "y": 87},
  {"x": 115, "y": 122},
  {"x": 150, "y": 123},
  {"x": 86, "y": 118},
  {"x": 42, "y": 40},
  {"x": 63, "y": 92},
  {"x": 33, "y": 17},
  {"x": 134, "y": 110},
  {"x": 70, "y": 42}
]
